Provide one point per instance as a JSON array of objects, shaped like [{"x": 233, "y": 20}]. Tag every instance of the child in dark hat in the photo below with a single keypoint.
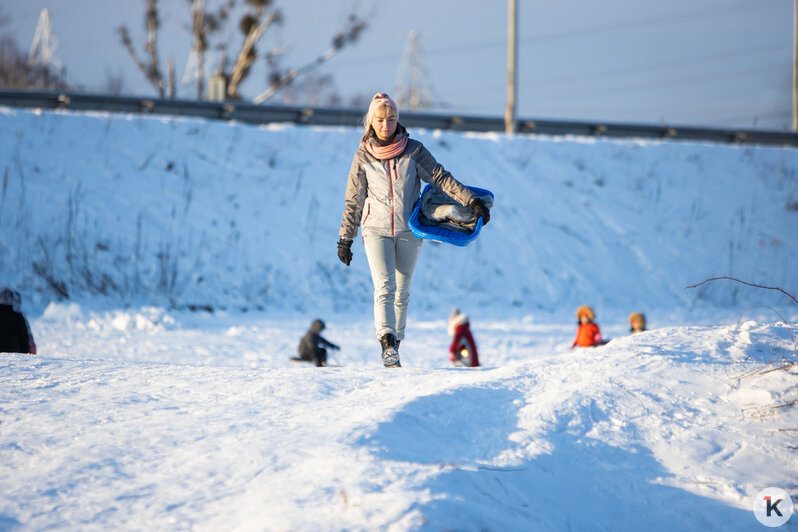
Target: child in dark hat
[{"x": 312, "y": 347}]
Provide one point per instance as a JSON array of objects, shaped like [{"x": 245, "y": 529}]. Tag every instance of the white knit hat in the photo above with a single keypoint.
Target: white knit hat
[{"x": 379, "y": 101}]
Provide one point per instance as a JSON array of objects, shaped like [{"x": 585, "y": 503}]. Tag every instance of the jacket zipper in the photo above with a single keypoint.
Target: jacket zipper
[{"x": 390, "y": 186}]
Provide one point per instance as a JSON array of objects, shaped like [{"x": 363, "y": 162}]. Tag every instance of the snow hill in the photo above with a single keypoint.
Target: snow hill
[
  {"x": 141, "y": 413},
  {"x": 191, "y": 213}
]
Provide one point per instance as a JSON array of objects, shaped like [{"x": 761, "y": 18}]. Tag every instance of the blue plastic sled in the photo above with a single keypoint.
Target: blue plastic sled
[{"x": 441, "y": 234}]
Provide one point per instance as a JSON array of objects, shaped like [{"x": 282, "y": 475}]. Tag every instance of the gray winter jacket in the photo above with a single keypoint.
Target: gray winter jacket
[{"x": 380, "y": 195}]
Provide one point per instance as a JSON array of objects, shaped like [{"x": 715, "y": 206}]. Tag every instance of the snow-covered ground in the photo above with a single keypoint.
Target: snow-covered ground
[
  {"x": 152, "y": 420},
  {"x": 141, "y": 414}
]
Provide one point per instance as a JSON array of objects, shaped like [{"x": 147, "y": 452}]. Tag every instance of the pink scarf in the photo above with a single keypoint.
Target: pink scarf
[{"x": 390, "y": 151}]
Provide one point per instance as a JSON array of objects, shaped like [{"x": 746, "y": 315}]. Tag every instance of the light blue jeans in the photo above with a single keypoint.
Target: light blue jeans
[{"x": 392, "y": 261}]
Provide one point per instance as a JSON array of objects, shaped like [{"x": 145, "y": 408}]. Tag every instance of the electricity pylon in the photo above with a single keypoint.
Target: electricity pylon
[
  {"x": 412, "y": 88},
  {"x": 44, "y": 45}
]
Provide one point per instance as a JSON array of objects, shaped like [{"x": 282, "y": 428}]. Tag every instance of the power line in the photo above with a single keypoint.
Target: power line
[
  {"x": 649, "y": 68},
  {"x": 642, "y": 23},
  {"x": 501, "y": 42},
  {"x": 497, "y": 85},
  {"x": 698, "y": 111},
  {"x": 668, "y": 83},
  {"x": 656, "y": 21}
]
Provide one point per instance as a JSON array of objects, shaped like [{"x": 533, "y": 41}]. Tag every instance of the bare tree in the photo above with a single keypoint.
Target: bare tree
[
  {"x": 17, "y": 73},
  {"x": 203, "y": 25},
  {"x": 253, "y": 25},
  {"x": 260, "y": 15},
  {"x": 150, "y": 69}
]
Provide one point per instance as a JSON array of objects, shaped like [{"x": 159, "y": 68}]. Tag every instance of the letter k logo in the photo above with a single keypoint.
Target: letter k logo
[{"x": 772, "y": 506}]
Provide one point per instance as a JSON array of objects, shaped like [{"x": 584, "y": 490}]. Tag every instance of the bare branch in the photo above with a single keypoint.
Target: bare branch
[
  {"x": 151, "y": 71},
  {"x": 198, "y": 29},
  {"x": 349, "y": 34},
  {"x": 124, "y": 34},
  {"x": 215, "y": 21},
  {"x": 155, "y": 75},
  {"x": 170, "y": 76},
  {"x": 785, "y": 364},
  {"x": 203, "y": 25},
  {"x": 786, "y": 325},
  {"x": 17, "y": 73},
  {"x": 747, "y": 284},
  {"x": 760, "y": 370},
  {"x": 247, "y": 54},
  {"x": 784, "y": 367}
]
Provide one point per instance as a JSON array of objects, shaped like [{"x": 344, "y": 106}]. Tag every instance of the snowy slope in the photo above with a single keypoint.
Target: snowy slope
[
  {"x": 139, "y": 414},
  {"x": 211, "y": 214}
]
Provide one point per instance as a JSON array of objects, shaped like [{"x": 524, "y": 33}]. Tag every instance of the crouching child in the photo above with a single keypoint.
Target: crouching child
[{"x": 313, "y": 347}]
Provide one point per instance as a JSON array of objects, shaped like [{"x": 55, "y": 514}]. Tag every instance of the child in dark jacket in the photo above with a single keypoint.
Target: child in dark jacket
[
  {"x": 312, "y": 346},
  {"x": 588, "y": 334},
  {"x": 463, "y": 349},
  {"x": 15, "y": 335}
]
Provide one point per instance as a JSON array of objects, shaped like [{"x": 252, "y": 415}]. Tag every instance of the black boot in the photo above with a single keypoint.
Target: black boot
[{"x": 390, "y": 354}]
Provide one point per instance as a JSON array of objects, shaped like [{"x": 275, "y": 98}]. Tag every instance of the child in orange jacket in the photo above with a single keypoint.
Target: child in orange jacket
[{"x": 588, "y": 334}]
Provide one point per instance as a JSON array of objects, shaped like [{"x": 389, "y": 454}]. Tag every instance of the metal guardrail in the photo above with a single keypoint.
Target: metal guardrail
[{"x": 264, "y": 114}]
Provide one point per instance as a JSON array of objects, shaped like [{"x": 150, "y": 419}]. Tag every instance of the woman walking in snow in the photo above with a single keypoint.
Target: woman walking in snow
[{"x": 384, "y": 185}]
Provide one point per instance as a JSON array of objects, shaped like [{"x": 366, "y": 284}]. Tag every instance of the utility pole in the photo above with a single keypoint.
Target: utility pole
[
  {"x": 512, "y": 53},
  {"x": 795, "y": 66}
]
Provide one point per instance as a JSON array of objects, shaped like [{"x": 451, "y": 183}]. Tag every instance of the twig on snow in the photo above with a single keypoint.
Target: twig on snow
[
  {"x": 787, "y": 325},
  {"x": 747, "y": 284}
]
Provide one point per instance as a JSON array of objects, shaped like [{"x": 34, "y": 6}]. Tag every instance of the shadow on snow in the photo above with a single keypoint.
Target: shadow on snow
[{"x": 583, "y": 484}]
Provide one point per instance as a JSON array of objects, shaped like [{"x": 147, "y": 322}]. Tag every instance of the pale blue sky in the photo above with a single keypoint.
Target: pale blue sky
[{"x": 719, "y": 63}]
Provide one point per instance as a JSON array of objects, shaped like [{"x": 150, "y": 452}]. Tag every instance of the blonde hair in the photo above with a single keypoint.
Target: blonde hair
[
  {"x": 637, "y": 316},
  {"x": 379, "y": 102},
  {"x": 586, "y": 310}
]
